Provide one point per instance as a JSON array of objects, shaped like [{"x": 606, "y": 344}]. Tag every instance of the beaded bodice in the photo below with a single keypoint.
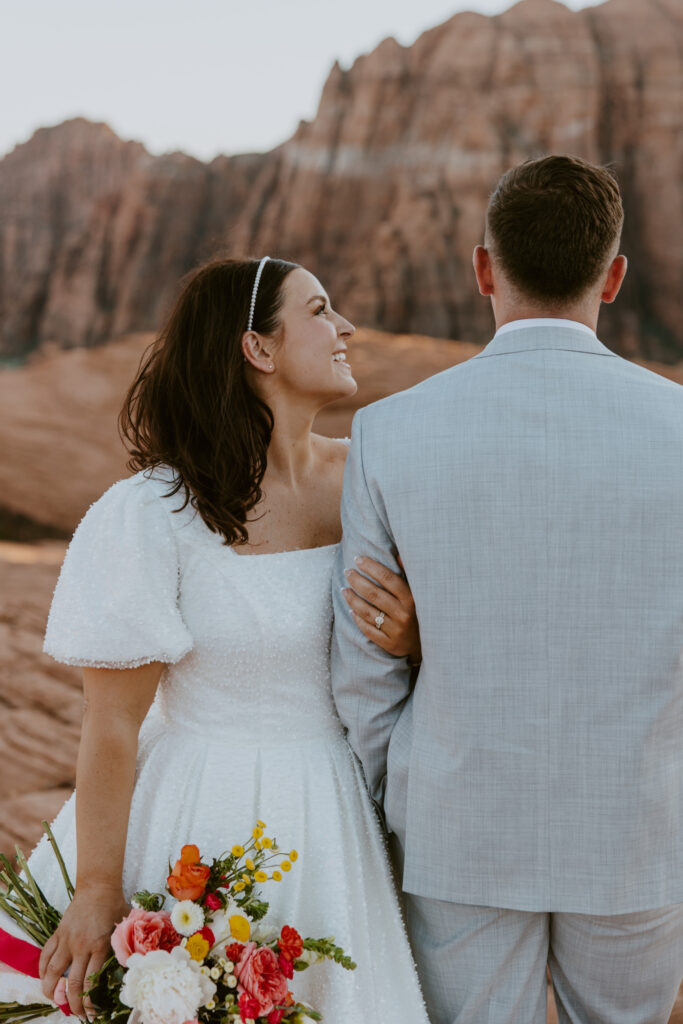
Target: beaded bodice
[
  {"x": 261, "y": 625},
  {"x": 245, "y": 638}
]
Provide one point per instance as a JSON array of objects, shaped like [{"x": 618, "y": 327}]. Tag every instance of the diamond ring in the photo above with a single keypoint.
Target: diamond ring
[{"x": 379, "y": 620}]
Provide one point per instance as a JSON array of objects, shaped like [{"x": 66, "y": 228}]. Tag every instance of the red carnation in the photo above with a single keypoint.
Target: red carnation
[
  {"x": 286, "y": 966},
  {"x": 275, "y": 1016},
  {"x": 212, "y": 901},
  {"x": 207, "y": 934},
  {"x": 249, "y": 1007},
  {"x": 290, "y": 943},
  {"x": 234, "y": 952}
]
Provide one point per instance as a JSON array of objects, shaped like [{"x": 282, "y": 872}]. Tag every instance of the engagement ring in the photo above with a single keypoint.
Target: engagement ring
[{"x": 379, "y": 620}]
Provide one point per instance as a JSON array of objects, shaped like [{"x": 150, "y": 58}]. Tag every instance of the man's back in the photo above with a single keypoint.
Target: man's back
[{"x": 535, "y": 495}]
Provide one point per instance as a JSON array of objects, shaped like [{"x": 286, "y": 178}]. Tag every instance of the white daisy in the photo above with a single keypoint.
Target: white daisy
[{"x": 187, "y": 917}]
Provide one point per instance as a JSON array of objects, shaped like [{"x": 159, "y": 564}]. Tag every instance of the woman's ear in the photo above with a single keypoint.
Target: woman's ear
[{"x": 256, "y": 352}]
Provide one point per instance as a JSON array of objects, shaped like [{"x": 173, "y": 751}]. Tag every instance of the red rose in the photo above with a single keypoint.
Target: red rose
[
  {"x": 259, "y": 975},
  {"x": 169, "y": 937},
  {"x": 249, "y": 1008},
  {"x": 212, "y": 901},
  {"x": 290, "y": 943},
  {"x": 275, "y": 1016},
  {"x": 188, "y": 879},
  {"x": 234, "y": 952},
  {"x": 286, "y": 966}
]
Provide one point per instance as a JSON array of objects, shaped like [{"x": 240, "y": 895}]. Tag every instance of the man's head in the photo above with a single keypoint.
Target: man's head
[{"x": 552, "y": 235}]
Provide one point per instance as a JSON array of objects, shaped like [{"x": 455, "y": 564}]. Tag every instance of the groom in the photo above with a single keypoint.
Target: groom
[{"x": 533, "y": 775}]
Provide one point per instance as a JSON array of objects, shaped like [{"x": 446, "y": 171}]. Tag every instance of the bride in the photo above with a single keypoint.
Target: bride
[{"x": 196, "y": 595}]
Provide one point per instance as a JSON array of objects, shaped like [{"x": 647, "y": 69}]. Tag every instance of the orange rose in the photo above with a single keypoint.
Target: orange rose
[{"x": 188, "y": 879}]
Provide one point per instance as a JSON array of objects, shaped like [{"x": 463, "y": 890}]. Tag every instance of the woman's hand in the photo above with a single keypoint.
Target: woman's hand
[
  {"x": 384, "y": 598},
  {"x": 81, "y": 943}
]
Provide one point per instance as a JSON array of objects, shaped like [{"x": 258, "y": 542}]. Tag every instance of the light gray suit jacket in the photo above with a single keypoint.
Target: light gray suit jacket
[{"x": 535, "y": 494}]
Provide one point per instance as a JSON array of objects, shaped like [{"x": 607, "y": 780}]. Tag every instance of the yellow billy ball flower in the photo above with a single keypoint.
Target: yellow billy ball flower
[
  {"x": 239, "y": 887},
  {"x": 261, "y": 824},
  {"x": 257, "y": 832},
  {"x": 293, "y": 855},
  {"x": 258, "y": 844},
  {"x": 197, "y": 947},
  {"x": 240, "y": 928},
  {"x": 286, "y": 866},
  {"x": 250, "y": 864},
  {"x": 238, "y": 851},
  {"x": 261, "y": 876},
  {"x": 266, "y": 843},
  {"x": 277, "y": 877}
]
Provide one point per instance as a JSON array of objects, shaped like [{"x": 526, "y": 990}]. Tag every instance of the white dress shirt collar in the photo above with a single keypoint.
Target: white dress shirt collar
[{"x": 543, "y": 321}]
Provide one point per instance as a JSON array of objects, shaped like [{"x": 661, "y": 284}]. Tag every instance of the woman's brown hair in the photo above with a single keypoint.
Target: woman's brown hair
[{"x": 191, "y": 407}]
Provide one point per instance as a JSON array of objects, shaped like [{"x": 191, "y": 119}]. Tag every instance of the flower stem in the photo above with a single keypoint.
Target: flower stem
[{"x": 62, "y": 866}]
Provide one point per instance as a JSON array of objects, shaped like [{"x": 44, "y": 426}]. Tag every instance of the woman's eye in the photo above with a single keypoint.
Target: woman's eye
[{"x": 320, "y": 310}]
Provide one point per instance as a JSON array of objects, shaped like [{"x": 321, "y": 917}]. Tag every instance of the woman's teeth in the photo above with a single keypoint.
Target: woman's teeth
[{"x": 339, "y": 357}]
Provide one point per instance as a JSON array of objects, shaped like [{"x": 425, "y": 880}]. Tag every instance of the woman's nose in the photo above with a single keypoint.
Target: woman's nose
[{"x": 346, "y": 328}]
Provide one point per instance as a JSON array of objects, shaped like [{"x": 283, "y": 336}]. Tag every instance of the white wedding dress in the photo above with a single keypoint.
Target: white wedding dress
[{"x": 243, "y": 727}]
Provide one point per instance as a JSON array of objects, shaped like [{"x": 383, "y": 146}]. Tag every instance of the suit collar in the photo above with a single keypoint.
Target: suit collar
[{"x": 531, "y": 335}]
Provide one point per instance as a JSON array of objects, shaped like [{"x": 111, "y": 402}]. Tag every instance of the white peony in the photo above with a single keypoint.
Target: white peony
[
  {"x": 187, "y": 917},
  {"x": 165, "y": 988}
]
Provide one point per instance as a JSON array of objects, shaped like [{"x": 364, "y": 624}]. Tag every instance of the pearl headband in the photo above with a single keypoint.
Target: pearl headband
[{"x": 252, "y": 304}]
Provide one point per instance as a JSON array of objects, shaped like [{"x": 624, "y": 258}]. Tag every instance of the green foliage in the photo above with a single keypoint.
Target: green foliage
[
  {"x": 19, "y": 1013},
  {"x": 149, "y": 900},
  {"x": 327, "y": 949}
]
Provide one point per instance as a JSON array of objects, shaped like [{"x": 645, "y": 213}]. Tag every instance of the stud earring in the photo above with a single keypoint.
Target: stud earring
[{"x": 271, "y": 367}]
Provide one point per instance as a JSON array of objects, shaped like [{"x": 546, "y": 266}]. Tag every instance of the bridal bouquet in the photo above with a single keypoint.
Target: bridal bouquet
[{"x": 210, "y": 959}]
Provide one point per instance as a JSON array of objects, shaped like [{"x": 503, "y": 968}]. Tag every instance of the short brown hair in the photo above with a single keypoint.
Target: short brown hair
[{"x": 552, "y": 224}]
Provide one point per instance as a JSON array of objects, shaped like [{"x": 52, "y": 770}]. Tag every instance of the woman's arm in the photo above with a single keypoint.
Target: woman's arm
[{"x": 116, "y": 702}]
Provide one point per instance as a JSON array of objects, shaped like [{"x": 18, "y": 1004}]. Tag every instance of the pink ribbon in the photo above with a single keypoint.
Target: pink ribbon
[{"x": 23, "y": 957}]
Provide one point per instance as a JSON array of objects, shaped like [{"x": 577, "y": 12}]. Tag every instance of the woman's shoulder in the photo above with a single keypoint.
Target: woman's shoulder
[{"x": 144, "y": 497}]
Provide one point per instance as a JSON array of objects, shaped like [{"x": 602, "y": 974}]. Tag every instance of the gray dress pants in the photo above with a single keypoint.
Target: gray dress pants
[{"x": 485, "y": 965}]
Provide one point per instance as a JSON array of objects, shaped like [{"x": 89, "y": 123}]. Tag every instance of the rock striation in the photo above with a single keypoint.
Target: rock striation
[{"x": 382, "y": 194}]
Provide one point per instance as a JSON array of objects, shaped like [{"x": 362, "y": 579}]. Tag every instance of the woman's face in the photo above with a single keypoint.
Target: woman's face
[{"x": 310, "y": 357}]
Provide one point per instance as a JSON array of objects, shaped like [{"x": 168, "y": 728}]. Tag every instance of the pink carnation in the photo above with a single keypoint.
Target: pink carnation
[
  {"x": 141, "y": 932},
  {"x": 259, "y": 975}
]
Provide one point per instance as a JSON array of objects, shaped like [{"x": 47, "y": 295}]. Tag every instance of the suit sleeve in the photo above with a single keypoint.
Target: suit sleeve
[{"x": 370, "y": 686}]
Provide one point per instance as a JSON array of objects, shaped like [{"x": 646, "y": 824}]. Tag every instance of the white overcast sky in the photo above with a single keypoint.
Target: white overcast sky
[{"x": 204, "y": 76}]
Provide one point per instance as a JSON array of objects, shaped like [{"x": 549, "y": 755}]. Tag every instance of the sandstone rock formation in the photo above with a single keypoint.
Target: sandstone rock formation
[
  {"x": 95, "y": 232},
  {"x": 382, "y": 194}
]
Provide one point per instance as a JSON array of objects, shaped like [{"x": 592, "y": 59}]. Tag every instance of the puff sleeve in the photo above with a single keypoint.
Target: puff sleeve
[{"x": 116, "y": 600}]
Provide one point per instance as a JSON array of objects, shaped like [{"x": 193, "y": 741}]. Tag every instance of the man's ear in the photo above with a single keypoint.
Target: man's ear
[
  {"x": 614, "y": 279},
  {"x": 481, "y": 260}
]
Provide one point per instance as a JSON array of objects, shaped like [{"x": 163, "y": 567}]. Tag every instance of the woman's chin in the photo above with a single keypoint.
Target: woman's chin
[{"x": 346, "y": 389}]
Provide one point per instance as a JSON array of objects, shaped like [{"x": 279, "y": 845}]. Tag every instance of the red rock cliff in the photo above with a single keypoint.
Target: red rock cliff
[{"x": 382, "y": 194}]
